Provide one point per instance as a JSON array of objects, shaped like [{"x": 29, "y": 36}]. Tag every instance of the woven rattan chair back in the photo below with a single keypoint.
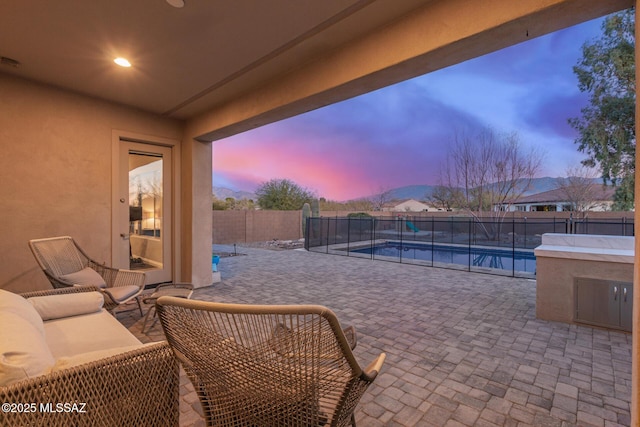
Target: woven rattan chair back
[
  {"x": 58, "y": 255},
  {"x": 266, "y": 365}
]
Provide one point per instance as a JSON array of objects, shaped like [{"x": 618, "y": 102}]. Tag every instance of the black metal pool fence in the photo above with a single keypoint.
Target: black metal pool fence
[{"x": 341, "y": 236}]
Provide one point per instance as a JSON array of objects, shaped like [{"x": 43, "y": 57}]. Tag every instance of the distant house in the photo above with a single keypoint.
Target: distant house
[
  {"x": 600, "y": 199},
  {"x": 407, "y": 205}
]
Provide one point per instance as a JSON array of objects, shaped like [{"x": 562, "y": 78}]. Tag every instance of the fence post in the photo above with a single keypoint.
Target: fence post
[
  {"x": 469, "y": 239},
  {"x": 472, "y": 236},
  {"x": 328, "y": 219},
  {"x": 433, "y": 233},
  {"x": 402, "y": 226},
  {"x": 586, "y": 225},
  {"x": 307, "y": 227},
  {"x": 348, "y": 234},
  {"x": 373, "y": 234},
  {"x": 451, "y": 230},
  {"x": 336, "y": 224},
  {"x": 513, "y": 245}
]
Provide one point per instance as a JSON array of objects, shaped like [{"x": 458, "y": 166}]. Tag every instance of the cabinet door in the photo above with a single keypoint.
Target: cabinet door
[
  {"x": 597, "y": 302},
  {"x": 626, "y": 306}
]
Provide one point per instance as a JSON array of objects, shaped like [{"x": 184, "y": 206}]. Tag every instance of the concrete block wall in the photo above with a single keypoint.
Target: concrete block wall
[{"x": 256, "y": 226}]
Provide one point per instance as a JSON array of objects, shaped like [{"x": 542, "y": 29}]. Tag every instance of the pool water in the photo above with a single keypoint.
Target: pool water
[{"x": 503, "y": 259}]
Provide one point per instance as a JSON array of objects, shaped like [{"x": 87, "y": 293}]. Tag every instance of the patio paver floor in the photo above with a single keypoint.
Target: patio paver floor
[{"x": 463, "y": 349}]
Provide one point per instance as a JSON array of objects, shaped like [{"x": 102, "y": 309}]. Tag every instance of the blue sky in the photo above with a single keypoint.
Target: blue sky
[{"x": 399, "y": 135}]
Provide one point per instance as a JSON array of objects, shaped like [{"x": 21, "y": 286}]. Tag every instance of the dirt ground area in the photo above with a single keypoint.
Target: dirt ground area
[{"x": 274, "y": 245}]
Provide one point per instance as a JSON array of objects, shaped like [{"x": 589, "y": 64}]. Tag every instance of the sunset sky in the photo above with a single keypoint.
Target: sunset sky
[{"x": 399, "y": 135}]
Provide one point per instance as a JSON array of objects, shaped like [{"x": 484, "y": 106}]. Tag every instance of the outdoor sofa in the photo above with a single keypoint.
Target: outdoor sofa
[{"x": 64, "y": 360}]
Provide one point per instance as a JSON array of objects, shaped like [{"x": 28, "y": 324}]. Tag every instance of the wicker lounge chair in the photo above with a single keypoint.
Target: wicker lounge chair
[
  {"x": 66, "y": 264},
  {"x": 258, "y": 365}
]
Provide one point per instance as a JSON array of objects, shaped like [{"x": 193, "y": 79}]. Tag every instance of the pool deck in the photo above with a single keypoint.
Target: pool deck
[{"x": 463, "y": 349}]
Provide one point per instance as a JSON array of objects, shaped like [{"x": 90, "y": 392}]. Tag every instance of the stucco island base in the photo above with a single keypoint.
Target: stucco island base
[{"x": 563, "y": 257}]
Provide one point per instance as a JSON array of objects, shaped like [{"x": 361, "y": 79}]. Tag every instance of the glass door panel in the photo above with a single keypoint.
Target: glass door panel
[
  {"x": 145, "y": 210},
  {"x": 142, "y": 222}
]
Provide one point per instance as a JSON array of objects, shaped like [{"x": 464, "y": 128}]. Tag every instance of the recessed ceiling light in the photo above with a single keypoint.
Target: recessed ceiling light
[
  {"x": 122, "y": 62},
  {"x": 176, "y": 3}
]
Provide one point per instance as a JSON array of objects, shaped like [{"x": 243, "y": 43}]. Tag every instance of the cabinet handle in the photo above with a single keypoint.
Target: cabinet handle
[
  {"x": 624, "y": 292},
  {"x": 615, "y": 293}
]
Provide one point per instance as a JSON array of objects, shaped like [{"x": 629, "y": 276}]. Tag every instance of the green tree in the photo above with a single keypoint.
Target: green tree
[
  {"x": 623, "y": 198},
  {"x": 607, "y": 125},
  {"x": 244, "y": 205},
  {"x": 351, "y": 205},
  {"x": 283, "y": 194},
  {"x": 230, "y": 202},
  {"x": 218, "y": 205}
]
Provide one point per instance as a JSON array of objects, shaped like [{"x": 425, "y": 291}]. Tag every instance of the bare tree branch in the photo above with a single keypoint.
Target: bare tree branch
[
  {"x": 491, "y": 171},
  {"x": 580, "y": 190}
]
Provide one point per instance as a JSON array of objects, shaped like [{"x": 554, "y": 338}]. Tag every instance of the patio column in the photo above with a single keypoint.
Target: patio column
[
  {"x": 635, "y": 359},
  {"x": 196, "y": 225}
]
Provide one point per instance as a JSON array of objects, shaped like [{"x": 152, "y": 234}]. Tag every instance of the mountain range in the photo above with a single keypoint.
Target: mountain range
[
  {"x": 417, "y": 192},
  {"x": 222, "y": 193}
]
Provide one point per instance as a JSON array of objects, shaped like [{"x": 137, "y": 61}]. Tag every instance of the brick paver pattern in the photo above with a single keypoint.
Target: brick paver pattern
[{"x": 463, "y": 349}]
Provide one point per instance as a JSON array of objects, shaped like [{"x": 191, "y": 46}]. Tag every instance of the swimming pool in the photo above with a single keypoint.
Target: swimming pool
[{"x": 482, "y": 257}]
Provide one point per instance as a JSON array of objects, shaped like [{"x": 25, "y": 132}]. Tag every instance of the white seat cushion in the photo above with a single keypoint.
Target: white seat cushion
[
  {"x": 86, "y": 277},
  {"x": 23, "y": 350},
  {"x": 121, "y": 293},
  {"x": 14, "y": 303},
  {"x": 70, "y": 336}
]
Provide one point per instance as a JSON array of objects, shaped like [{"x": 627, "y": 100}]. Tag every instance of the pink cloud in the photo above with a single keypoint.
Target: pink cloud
[{"x": 338, "y": 168}]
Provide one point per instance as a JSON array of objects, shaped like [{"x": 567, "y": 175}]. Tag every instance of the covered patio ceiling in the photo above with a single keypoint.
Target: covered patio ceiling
[{"x": 233, "y": 66}]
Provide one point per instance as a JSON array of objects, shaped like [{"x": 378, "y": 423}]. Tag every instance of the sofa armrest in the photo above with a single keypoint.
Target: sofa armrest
[{"x": 139, "y": 387}]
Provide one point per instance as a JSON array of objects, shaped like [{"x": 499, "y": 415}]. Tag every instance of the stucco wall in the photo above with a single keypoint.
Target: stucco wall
[{"x": 55, "y": 171}]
